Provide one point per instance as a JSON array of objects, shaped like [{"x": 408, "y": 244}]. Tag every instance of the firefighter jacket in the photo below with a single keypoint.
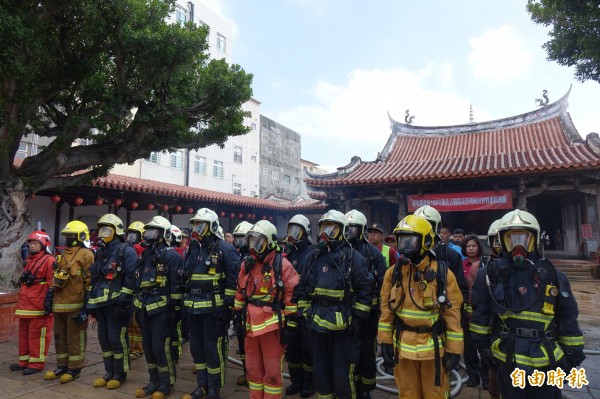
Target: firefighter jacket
[
  {"x": 452, "y": 258},
  {"x": 113, "y": 275},
  {"x": 210, "y": 272},
  {"x": 298, "y": 254},
  {"x": 412, "y": 320},
  {"x": 158, "y": 280},
  {"x": 376, "y": 264},
  {"x": 335, "y": 286},
  {"x": 525, "y": 314},
  {"x": 74, "y": 263},
  {"x": 32, "y": 292},
  {"x": 264, "y": 294}
]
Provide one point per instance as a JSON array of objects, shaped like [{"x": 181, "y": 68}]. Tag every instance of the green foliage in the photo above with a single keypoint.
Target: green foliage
[
  {"x": 575, "y": 33},
  {"x": 113, "y": 72}
]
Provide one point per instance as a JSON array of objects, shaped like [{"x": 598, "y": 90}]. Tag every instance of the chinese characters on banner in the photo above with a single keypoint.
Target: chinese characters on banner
[{"x": 469, "y": 201}]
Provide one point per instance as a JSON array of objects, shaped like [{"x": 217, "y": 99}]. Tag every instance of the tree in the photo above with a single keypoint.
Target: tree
[
  {"x": 112, "y": 72},
  {"x": 575, "y": 33}
]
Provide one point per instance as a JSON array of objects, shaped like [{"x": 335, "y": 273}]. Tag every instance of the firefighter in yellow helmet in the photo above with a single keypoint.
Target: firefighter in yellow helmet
[
  {"x": 110, "y": 298},
  {"x": 524, "y": 313},
  {"x": 420, "y": 314},
  {"x": 71, "y": 284},
  {"x": 135, "y": 233}
]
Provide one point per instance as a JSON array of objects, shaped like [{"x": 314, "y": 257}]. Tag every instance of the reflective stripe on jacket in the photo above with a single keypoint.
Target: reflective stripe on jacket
[
  {"x": 30, "y": 302},
  {"x": 76, "y": 262}
]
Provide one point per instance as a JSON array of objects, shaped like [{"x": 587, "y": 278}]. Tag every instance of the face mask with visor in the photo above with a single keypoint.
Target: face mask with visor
[
  {"x": 330, "y": 230},
  {"x": 353, "y": 232},
  {"x": 407, "y": 243},
  {"x": 133, "y": 237},
  {"x": 151, "y": 235},
  {"x": 106, "y": 234},
  {"x": 257, "y": 243},
  {"x": 523, "y": 238},
  {"x": 239, "y": 241},
  {"x": 201, "y": 228},
  {"x": 295, "y": 232}
]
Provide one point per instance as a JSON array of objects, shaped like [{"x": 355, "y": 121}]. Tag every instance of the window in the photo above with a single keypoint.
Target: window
[
  {"x": 237, "y": 188},
  {"x": 287, "y": 179},
  {"x": 154, "y": 158},
  {"x": 253, "y": 194},
  {"x": 266, "y": 171},
  {"x": 275, "y": 175},
  {"x": 221, "y": 42},
  {"x": 200, "y": 164},
  {"x": 237, "y": 154},
  {"x": 253, "y": 126},
  {"x": 297, "y": 180},
  {"x": 218, "y": 170},
  {"x": 177, "y": 160},
  {"x": 23, "y": 151},
  {"x": 253, "y": 158},
  {"x": 180, "y": 14}
]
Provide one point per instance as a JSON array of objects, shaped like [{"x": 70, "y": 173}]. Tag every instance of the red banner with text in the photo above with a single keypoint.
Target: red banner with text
[{"x": 471, "y": 201}]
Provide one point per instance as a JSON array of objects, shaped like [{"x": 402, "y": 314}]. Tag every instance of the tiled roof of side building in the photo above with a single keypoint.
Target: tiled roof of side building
[{"x": 545, "y": 139}]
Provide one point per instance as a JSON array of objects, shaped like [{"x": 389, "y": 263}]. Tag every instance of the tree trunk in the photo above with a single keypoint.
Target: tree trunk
[{"x": 15, "y": 223}]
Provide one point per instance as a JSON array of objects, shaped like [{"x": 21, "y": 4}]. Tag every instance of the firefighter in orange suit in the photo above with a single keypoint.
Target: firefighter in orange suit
[
  {"x": 420, "y": 314},
  {"x": 71, "y": 284},
  {"x": 34, "y": 305},
  {"x": 263, "y": 303}
]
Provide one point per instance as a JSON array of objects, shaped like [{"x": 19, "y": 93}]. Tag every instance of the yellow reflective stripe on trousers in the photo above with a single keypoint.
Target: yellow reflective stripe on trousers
[
  {"x": 41, "y": 348},
  {"x": 273, "y": 390},
  {"x": 124, "y": 343},
  {"x": 526, "y": 360},
  {"x": 255, "y": 386},
  {"x": 82, "y": 339}
]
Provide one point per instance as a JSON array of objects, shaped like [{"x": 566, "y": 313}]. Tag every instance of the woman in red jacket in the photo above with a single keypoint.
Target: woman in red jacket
[{"x": 35, "y": 318}]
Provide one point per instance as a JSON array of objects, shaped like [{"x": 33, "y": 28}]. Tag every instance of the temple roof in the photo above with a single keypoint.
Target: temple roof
[{"x": 540, "y": 140}]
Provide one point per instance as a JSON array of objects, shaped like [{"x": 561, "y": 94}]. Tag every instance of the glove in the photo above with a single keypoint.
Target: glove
[
  {"x": 574, "y": 356},
  {"x": 355, "y": 328},
  {"x": 81, "y": 317},
  {"x": 174, "y": 315},
  {"x": 48, "y": 301},
  {"x": 450, "y": 361},
  {"x": 387, "y": 353},
  {"x": 122, "y": 312},
  {"x": 486, "y": 356},
  {"x": 237, "y": 323},
  {"x": 223, "y": 317},
  {"x": 290, "y": 332}
]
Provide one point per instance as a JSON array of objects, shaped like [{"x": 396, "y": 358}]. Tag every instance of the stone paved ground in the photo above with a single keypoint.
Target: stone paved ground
[{"x": 15, "y": 385}]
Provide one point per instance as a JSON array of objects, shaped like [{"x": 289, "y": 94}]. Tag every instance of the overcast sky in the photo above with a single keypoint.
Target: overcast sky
[{"x": 332, "y": 70}]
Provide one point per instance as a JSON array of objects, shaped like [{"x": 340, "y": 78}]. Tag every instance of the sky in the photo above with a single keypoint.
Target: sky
[{"x": 333, "y": 70}]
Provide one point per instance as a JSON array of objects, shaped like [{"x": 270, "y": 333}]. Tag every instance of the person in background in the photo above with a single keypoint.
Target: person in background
[
  {"x": 477, "y": 371},
  {"x": 71, "y": 283},
  {"x": 458, "y": 236},
  {"x": 390, "y": 241},
  {"x": 229, "y": 237},
  {"x": 375, "y": 237},
  {"x": 34, "y": 305}
]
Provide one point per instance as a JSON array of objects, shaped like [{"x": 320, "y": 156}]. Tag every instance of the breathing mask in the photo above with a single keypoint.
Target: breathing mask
[{"x": 106, "y": 234}]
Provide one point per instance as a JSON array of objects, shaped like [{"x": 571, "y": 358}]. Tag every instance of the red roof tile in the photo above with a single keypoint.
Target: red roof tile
[
  {"x": 159, "y": 188},
  {"x": 541, "y": 140}
]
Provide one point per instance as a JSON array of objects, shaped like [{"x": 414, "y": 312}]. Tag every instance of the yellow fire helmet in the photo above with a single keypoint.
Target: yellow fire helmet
[
  {"x": 80, "y": 230},
  {"x": 414, "y": 237}
]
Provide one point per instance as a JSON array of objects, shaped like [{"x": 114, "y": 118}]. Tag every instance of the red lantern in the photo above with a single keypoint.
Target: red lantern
[
  {"x": 134, "y": 205},
  {"x": 241, "y": 215},
  {"x": 190, "y": 210},
  {"x": 55, "y": 198},
  {"x": 271, "y": 218},
  {"x": 150, "y": 207},
  {"x": 177, "y": 208},
  {"x": 222, "y": 214},
  {"x": 254, "y": 216},
  {"x": 249, "y": 216},
  {"x": 78, "y": 201},
  {"x": 165, "y": 208},
  {"x": 98, "y": 202},
  {"x": 231, "y": 215},
  {"x": 117, "y": 202}
]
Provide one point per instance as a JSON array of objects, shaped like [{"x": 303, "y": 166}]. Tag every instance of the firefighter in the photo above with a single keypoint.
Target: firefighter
[
  {"x": 157, "y": 300},
  {"x": 110, "y": 298},
  {"x": 210, "y": 268},
  {"x": 135, "y": 233},
  {"x": 335, "y": 296},
  {"x": 71, "y": 284},
  {"x": 366, "y": 369},
  {"x": 298, "y": 249},
  {"x": 524, "y": 313},
  {"x": 240, "y": 242},
  {"x": 34, "y": 305},
  {"x": 420, "y": 314},
  {"x": 263, "y": 301}
]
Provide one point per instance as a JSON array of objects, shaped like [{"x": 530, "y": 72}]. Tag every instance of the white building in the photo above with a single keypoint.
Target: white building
[{"x": 231, "y": 169}]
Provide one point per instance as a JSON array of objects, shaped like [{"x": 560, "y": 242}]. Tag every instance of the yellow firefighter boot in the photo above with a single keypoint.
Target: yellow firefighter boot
[{"x": 52, "y": 375}]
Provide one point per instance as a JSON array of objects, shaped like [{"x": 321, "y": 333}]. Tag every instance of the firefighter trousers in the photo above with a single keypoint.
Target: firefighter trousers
[
  {"x": 34, "y": 341},
  {"x": 297, "y": 354},
  {"x": 507, "y": 390},
  {"x": 114, "y": 343},
  {"x": 209, "y": 349},
  {"x": 332, "y": 371},
  {"x": 156, "y": 341},
  {"x": 415, "y": 379},
  {"x": 264, "y": 362},
  {"x": 70, "y": 341},
  {"x": 135, "y": 334},
  {"x": 365, "y": 370}
]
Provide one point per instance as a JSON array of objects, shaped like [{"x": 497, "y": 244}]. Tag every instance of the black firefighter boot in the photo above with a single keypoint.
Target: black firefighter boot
[
  {"x": 108, "y": 366},
  {"x": 152, "y": 385},
  {"x": 308, "y": 388},
  {"x": 296, "y": 379},
  {"x": 213, "y": 393},
  {"x": 164, "y": 385}
]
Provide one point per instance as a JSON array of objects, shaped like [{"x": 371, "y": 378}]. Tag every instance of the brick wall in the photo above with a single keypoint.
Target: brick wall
[{"x": 8, "y": 321}]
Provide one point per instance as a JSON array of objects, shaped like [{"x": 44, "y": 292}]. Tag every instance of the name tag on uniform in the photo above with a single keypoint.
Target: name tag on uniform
[
  {"x": 264, "y": 290},
  {"x": 212, "y": 270}
]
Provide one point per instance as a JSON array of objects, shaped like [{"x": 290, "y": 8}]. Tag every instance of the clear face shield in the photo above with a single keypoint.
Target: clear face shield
[
  {"x": 515, "y": 238},
  {"x": 257, "y": 243},
  {"x": 106, "y": 233},
  {"x": 353, "y": 232},
  {"x": 295, "y": 232},
  {"x": 330, "y": 230},
  {"x": 151, "y": 235},
  {"x": 407, "y": 243},
  {"x": 201, "y": 228},
  {"x": 133, "y": 237},
  {"x": 239, "y": 241}
]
